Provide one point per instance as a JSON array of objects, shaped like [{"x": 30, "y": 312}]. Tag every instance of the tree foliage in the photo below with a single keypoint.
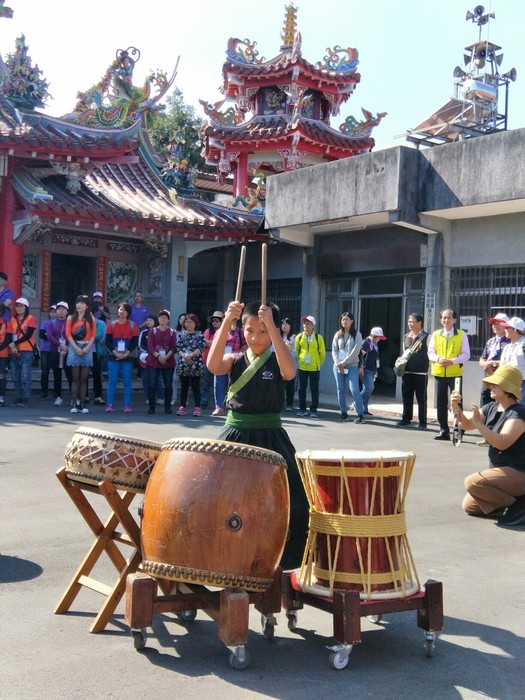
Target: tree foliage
[{"x": 178, "y": 123}]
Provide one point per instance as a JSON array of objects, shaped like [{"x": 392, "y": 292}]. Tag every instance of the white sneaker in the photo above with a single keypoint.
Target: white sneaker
[
  {"x": 83, "y": 409},
  {"x": 58, "y": 401},
  {"x": 74, "y": 409}
]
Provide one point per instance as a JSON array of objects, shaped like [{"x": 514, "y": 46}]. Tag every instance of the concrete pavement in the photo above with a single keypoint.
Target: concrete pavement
[{"x": 43, "y": 538}]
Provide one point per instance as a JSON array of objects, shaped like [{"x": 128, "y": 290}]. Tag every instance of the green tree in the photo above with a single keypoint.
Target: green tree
[{"x": 178, "y": 123}]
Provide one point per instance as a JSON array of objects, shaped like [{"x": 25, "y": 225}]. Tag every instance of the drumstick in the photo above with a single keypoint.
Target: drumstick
[
  {"x": 263, "y": 275},
  {"x": 240, "y": 277}
]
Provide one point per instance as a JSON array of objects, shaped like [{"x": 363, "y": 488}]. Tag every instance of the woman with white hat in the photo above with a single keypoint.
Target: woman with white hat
[
  {"x": 514, "y": 353},
  {"x": 23, "y": 329},
  {"x": 500, "y": 489}
]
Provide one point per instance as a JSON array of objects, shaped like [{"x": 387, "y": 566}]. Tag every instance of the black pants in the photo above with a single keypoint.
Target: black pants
[
  {"x": 96, "y": 371},
  {"x": 185, "y": 383},
  {"x": 289, "y": 388},
  {"x": 49, "y": 361},
  {"x": 443, "y": 384},
  {"x": 304, "y": 376},
  {"x": 415, "y": 384},
  {"x": 154, "y": 373}
]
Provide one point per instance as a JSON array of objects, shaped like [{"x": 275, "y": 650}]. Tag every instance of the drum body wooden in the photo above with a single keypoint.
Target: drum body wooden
[
  {"x": 216, "y": 513},
  {"x": 357, "y": 531},
  {"x": 93, "y": 455}
]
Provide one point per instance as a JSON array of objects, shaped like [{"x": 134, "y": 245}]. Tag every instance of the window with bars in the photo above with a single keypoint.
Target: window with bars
[
  {"x": 202, "y": 299},
  {"x": 485, "y": 291},
  {"x": 286, "y": 293}
]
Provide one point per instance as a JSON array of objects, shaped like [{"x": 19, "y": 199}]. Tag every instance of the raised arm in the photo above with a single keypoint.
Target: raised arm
[{"x": 217, "y": 362}]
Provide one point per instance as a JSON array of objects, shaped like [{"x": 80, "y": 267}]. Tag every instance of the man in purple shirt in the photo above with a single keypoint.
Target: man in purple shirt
[{"x": 139, "y": 312}]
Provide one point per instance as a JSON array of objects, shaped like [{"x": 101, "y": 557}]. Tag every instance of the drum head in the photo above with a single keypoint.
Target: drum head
[{"x": 350, "y": 456}]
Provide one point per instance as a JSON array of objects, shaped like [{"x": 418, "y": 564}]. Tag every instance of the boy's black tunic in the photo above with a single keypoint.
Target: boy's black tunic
[{"x": 254, "y": 419}]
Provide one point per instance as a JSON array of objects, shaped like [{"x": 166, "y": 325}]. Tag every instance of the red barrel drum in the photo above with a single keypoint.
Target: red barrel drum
[
  {"x": 215, "y": 513},
  {"x": 357, "y": 531}
]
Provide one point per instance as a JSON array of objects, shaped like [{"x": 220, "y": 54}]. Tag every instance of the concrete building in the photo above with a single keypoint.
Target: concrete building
[{"x": 404, "y": 230}]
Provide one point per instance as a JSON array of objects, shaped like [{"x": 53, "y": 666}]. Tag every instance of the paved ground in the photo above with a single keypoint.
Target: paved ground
[{"x": 43, "y": 538}]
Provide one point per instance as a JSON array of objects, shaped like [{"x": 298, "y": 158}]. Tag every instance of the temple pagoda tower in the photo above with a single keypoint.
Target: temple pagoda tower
[{"x": 291, "y": 102}]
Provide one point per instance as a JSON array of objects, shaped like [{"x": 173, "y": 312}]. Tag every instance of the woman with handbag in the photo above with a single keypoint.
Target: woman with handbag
[
  {"x": 415, "y": 377},
  {"x": 346, "y": 348},
  {"x": 23, "y": 330},
  {"x": 81, "y": 331}
]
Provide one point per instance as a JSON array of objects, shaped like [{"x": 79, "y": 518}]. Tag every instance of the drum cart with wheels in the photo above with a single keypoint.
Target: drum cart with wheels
[
  {"x": 229, "y": 607},
  {"x": 347, "y": 608}
]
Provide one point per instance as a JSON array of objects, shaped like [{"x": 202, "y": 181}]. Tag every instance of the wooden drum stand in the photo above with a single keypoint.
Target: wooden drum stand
[{"x": 117, "y": 468}]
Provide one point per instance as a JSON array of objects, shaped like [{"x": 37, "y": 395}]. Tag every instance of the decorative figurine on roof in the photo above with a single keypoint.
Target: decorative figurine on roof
[
  {"x": 176, "y": 172},
  {"x": 114, "y": 102},
  {"x": 255, "y": 199},
  {"x": 20, "y": 81},
  {"x": 6, "y": 12},
  {"x": 281, "y": 118},
  {"x": 354, "y": 128}
]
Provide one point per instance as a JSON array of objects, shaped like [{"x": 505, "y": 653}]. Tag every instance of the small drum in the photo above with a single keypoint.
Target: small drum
[
  {"x": 215, "y": 513},
  {"x": 93, "y": 455},
  {"x": 357, "y": 530}
]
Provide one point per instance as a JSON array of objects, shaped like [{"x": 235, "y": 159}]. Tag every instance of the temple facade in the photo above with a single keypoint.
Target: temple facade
[{"x": 84, "y": 205}]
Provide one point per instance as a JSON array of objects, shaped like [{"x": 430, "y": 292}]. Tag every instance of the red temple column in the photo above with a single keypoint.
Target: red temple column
[
  {"x": 11, "y": 255},
  {"x": 241, "y": 175}
]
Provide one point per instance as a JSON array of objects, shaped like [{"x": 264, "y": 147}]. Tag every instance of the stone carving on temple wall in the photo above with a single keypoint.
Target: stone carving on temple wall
[{"x": 122, "y": 282}]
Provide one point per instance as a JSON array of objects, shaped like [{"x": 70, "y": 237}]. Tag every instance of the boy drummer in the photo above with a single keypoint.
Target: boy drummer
[{"x": 255, "y": 398}]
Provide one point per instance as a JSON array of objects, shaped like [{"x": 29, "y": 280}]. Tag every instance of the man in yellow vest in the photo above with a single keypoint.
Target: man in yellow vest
[{"x": 448, "y": 350}]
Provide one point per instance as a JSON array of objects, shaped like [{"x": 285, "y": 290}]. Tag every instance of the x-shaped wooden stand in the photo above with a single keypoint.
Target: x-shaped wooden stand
[{"x": 106, "y": 537}]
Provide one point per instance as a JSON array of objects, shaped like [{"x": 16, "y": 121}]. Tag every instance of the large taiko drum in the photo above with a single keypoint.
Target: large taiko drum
[
  {"x": 215, "y": 513},
  {"x": 94, "y": 455},
  {"x": 357, "y": 530}
]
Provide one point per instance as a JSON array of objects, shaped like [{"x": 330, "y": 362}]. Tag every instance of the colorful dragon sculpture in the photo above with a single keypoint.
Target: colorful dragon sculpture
[
  {"x": 114, "y": 102},
  {"x": 352, "y": 127}
]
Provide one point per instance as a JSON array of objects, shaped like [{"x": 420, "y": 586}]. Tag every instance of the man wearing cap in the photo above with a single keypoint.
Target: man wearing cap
[
  {"x": 310, "y": 352},
  {"x": 514, "y": 353},
  {"x": 98, "y": 309},
  {"x": 370, "y": 364},
  {"x": 448, "y": 350},
  {"x": 491, "y": 354},
  {"x": 6, "y": 296},
  {"x": 499, "y": 490}
]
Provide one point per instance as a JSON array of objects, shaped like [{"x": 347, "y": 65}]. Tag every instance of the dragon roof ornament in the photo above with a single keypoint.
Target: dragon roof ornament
[{"x": 114, "y": 102}]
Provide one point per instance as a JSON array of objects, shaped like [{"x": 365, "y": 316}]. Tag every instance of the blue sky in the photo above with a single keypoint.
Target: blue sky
[{"x": 407, "y": 48}]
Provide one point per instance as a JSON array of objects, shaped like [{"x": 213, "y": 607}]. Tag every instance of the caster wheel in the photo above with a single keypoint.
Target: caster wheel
[
  {"x": 187, "y": 615},
  {"x": 292, "y": 621},
  {"x": 268, "y": 626},
  {"x": 374, "y": 619},
  {"x": 239, "y": 662},
  {"x": 139, "y": 639},
  {"x": 429, "y": 648},
  {"x": 338, "y": 661}
]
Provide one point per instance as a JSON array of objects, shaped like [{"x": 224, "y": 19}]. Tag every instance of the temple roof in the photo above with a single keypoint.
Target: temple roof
[
  {"x": 38, "y": 135},
  {"x": 85, "y": 178},
  {"x": 127, "y": 199},
  {"x": 278, "y": 130}
]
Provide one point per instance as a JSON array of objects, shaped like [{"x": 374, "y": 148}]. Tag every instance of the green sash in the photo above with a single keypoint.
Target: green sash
[{"x": 256, "y": 362}]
